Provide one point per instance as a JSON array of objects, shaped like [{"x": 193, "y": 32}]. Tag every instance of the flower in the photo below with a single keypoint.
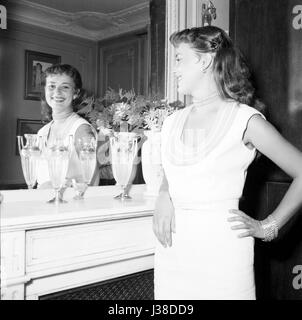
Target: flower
[
  {"x": 125, "y": 108},
  {"x": 90, "y": 108},
  {"x": 122, "y": 107},
  {"x": 157, "y": 111}
]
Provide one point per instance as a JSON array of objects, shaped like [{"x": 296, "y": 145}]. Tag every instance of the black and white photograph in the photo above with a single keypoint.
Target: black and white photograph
[
  {"x": 151, "y": 153},
  {"x": 35, "y": 65}
]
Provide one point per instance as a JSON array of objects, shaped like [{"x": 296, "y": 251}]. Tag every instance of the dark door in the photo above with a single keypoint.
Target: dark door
[{"x": 269, "y": 33}]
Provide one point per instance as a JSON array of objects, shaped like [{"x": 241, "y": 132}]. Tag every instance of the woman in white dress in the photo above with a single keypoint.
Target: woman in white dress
[
  {"x": 205, "y": 247},
  {"x": 63, "y": 86}
]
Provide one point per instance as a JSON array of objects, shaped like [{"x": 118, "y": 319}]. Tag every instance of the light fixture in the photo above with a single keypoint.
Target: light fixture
[{"x": 208, "y": 13}]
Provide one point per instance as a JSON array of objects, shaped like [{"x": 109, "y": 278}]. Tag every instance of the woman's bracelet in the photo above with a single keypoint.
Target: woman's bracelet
[{"x": 270, "y": 228}]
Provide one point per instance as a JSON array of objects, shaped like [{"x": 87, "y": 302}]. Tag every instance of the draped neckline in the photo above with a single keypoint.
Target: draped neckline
[
  {"x": 181, "y": 154},
  {"x": 212, "y": 131}
]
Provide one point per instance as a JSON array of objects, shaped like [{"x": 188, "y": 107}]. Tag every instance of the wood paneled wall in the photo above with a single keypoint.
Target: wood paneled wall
[
  {"x": 264, "y": 32},
  {"x": 124, "y": 63}
]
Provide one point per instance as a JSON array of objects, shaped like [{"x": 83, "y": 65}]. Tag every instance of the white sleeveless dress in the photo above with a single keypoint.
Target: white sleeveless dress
[
  {"x": 72, "y": 123},
  {"x": 207, "y": 260}
]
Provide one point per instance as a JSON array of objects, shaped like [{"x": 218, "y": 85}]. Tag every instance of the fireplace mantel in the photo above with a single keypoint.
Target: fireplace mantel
[{"x": 47, "y": 248}]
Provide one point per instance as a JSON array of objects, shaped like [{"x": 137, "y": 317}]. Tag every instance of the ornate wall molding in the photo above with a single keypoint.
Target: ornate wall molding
[
  {"x": 180, "y": 14},
  {"x": 110, "y": 55},
  {"x": 89, "y": 25}
]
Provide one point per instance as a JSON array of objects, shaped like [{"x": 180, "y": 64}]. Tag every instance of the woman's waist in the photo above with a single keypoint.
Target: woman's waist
[{"x": 204, "y": 206}]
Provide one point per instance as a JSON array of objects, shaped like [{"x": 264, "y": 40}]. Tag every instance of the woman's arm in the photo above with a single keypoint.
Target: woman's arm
[
  {"x": 270, "y": 142},
  {"x": 164, "y": 187},
  {"x": 163, "y": 217},
  {"x": 265, "y": 138},
  {"x": 84, "y": 131}
]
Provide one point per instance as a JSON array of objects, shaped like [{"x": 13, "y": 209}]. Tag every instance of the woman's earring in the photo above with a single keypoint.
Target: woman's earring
[{"x": 204, "y": 68}]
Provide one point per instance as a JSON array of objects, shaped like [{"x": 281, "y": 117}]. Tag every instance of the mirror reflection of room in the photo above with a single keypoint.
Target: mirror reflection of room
[{"x": 107, "y": 42}]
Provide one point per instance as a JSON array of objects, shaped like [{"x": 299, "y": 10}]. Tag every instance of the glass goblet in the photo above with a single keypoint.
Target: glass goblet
[
  {"x": 29, "y": 153},
  {"x": 79, "y": 188},
  {"x": 58, "y": 155},
  {"x": 86, "y": 148},
  {"x": 123, "y": 147}
]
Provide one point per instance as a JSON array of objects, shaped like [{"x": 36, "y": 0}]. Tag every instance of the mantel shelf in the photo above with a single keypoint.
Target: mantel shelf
[{"x": 46, "y": 248}]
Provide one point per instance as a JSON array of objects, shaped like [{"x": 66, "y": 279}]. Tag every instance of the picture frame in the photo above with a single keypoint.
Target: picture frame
[
  {"x": 27, "y": 126},
  {"x": 35, "y": 65}
]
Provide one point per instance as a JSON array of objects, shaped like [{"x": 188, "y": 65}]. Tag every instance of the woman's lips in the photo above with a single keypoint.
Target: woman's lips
[{"x": 58, "y": 100}]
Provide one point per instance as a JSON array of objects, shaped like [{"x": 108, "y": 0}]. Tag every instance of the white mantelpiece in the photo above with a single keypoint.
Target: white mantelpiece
[{"x": 47, "y": 248}]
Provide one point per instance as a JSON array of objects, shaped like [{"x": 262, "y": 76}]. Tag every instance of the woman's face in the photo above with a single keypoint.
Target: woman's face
[
  {"x": 59, "y": 92},
  {"x": 188, "y": 69}
]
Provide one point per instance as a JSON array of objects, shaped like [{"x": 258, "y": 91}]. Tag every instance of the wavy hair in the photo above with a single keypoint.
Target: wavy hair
[
  {"x": 73, "y": 73},
  {"x": 231, "y": 73}
]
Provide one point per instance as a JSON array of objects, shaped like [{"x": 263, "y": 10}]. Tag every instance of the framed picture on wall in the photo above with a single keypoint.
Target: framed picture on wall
[
  {"x": 27, "y": 126},
  {"x": 35, "y": 65}
]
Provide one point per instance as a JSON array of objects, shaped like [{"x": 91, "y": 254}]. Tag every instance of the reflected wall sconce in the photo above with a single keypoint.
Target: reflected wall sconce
[{"x": 208, "y": 13}]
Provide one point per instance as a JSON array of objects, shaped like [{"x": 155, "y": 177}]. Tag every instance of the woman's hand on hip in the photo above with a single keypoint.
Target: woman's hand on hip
[
  {"x": 164, "y": 219},
  {"x": 249, "y": 226}
]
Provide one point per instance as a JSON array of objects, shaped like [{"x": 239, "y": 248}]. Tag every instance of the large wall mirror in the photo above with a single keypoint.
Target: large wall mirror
[{"x": 108, "y": 41}]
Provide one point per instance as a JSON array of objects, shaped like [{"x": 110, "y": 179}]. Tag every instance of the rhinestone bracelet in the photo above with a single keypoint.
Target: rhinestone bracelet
[{"x": 270, "y": 228}]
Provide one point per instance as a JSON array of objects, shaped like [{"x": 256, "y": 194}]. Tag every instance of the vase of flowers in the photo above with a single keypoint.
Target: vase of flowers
[
  {"x": 120, "y": 111},
  {"x": 117, "y": 111}
]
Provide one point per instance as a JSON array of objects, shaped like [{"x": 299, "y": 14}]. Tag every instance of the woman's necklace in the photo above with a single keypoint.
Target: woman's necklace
[{"x": 206, "y": 100}]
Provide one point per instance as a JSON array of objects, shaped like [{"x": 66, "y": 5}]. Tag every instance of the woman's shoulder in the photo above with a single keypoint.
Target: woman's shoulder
[
  {"x": 85, "y": 129},
  {"x": 248, "y": 111},
  {"x": 78, "y": 118},
  {"x": 79, "y": 126},
  {"x": 78, "y": 121}
]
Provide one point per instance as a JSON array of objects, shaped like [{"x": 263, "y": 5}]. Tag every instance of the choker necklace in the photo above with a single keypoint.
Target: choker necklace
[{"x": 207, "y": 100}]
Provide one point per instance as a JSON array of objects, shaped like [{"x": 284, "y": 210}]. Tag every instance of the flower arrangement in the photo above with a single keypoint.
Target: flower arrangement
[
  {"x": 90, "y": 108},
  {"x": 122, "y": 111},
  {"x": 114, "y": 110},
  {"x": 125, "y": 111},
  {"x": 125, "y": 108},
  {"x": 156, "y": 111}
]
